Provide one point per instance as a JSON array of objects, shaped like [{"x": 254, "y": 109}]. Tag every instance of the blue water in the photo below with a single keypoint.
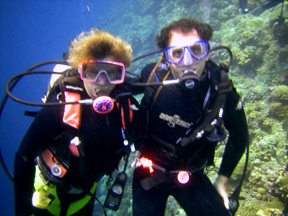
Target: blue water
[
  {"x": 34, "y": 31},
  {"x": 31, "y": 32}
]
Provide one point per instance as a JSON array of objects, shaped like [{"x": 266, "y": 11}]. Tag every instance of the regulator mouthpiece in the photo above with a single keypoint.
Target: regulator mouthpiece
[
  {"x": 103, "y": 104},
  {"x": 190, "y": 80}
]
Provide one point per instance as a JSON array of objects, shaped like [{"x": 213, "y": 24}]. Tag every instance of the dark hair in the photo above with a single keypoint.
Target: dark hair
[{"x": 184, "y": 25}]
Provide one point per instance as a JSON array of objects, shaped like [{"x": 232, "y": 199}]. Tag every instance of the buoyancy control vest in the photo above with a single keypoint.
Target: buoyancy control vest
[
  {"x": 67, "y": 88},
  {"x": 211, "y": 127},
  {"x": 54, "y": 162}
]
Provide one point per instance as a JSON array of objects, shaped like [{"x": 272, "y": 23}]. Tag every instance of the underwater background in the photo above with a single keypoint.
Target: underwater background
[{"x": 39, "y": 30}]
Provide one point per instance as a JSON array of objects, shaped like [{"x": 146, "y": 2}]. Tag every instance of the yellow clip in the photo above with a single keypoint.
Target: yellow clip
[{"x": 40, "y": 198}]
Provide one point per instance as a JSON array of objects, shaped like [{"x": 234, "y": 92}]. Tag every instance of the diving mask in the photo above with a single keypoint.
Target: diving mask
[
  {"x": 197, "y": 51},
  {"x": 90, "y": 71}
]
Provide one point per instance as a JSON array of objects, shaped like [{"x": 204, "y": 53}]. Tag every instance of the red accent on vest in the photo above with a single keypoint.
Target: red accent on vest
[
  {"x": 71, "y": 114},
  {"x": 123, "y": 118},
  {"x": 130, "y": 110}
]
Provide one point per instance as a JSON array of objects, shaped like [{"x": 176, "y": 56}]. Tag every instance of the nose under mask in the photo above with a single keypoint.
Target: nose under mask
[
  {"x": 187, "y": 58},
  {"x": 101, "y": 79}
]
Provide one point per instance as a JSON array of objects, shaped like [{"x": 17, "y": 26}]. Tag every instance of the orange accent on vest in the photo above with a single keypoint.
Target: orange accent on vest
[
  {"x": 130, "y": 111},
  {"x": 122, "y": 117},
  {"x": 72, "y": 111},
  {"x": 119, "y": 164},
  {"x": 50, "y": 160}
]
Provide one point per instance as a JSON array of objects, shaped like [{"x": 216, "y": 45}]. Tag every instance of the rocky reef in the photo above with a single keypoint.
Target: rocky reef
[{"x": 259, "y": 72}]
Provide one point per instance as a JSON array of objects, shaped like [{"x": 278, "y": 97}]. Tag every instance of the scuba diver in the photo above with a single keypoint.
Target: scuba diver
[
  {"x": 260, "y": 9},
  {"x": 68, "y": 148},
  {"x": 184, "y": 124},
  {"x": 244, "y": 6}
]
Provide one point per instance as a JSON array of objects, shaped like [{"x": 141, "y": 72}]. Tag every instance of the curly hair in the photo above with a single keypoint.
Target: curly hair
[
  {"x": 98, "y": 45},
  {"x": 184, "y": 26}
]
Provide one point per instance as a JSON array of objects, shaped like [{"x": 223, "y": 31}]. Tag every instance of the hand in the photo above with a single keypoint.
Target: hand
[
  {"x": 257, "y": 11},
  {"x": 220, "y": 185}
]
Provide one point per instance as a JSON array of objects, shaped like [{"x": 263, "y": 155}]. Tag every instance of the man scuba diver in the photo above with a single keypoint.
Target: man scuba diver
[
  {"x": 185, "y": 122},
  {"x": 67, "y": 149}
]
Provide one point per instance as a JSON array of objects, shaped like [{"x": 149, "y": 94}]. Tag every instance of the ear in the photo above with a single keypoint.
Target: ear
[{"x": 207, "y": 58}]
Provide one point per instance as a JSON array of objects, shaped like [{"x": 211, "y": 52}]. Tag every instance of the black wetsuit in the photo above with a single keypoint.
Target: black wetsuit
[
  {"x": 174, "y": 110},
  {"x": 100, "y": 136}
]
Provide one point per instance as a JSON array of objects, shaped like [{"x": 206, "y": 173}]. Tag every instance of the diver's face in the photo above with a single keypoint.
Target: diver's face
[
  {"x": 180, "y": 40},
  {"x": 101, "y": 84}
]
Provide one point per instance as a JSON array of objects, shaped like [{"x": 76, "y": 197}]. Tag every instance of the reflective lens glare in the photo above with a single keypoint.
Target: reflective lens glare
[
  {"x": 91, "y": 71},
  {"x": 198, "y": 51}
]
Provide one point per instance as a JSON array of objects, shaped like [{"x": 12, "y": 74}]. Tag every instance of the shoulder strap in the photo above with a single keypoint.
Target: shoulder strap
[
  {"x": 152, "y": 92},
  {"x": 126, "y": 104},
  {"x": 226, "y": 86},
  {"x": 160, "y": 87},
  {"x": 69, "y": 87},
  {"x": 69, "y": 80},
  {"x": 220, "y": 81}
]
